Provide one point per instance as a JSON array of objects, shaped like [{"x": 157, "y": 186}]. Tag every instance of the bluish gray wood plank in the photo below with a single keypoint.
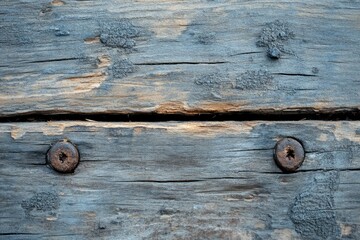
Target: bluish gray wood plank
[
  {"x": 194, "y": 180},
  {"x": 185, "y": 57}
]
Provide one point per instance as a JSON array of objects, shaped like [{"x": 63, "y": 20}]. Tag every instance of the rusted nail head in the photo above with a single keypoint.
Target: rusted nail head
[
  {"x": 289, "y": 154},
  {"x": 63, "y": 157}
]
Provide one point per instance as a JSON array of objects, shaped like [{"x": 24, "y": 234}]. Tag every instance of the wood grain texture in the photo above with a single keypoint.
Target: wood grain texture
[
  {"x": 112, "y": 56},
  {"x": 194, "y": 180}
]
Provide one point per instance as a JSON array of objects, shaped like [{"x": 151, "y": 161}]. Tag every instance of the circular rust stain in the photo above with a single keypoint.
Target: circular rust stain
[
  {"x": 63, "y": 157},
  {"x": 289, "y": 154}
]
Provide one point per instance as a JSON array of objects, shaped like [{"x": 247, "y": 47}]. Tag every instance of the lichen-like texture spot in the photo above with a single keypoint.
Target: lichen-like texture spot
[
  {"x": 212, "y": 80},
  {"x": 121, "y": 68},
  {"x": 273, "y": 37},
  {"x": 255, "y": 80},
  {"x": 119, "y": 34},
  {"x": 43, "y": 201},
  {"x": 313, "y": 210}
]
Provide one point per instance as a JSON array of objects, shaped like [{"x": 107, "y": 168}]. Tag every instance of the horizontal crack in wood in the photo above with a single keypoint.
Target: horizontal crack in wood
[{"x": 296, "y": 114}]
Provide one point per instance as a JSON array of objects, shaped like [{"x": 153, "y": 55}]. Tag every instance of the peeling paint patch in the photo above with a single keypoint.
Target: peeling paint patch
[
  {"x": 57, "y": 3},
  {"x": 84, "y": 83},
  {"x": 171, "y": 27},
  {"x": 346, "y": 230},
  {"x": 53, "y": 129},
  {"x": 219, "y": 107},
  {"x": 91, "y": 40},
  {"x": 341, "y": 132},
  {"x": 17, "y": 132},
  {"x": 171, "y": 107},
  {"x": 323, "y": 137},
  {"x": 51, "y": 218},
  {"x": 213, "y": 129},
  {"x": 103, "y": 61}
]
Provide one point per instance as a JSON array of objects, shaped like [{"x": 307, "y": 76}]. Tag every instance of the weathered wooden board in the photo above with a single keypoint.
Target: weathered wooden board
[
  {"x": 193, "y": 180},
  {"x": 123, "y": 56}
]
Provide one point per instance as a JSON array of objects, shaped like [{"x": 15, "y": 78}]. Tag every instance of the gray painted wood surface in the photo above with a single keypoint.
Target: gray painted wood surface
[
  {"x": 112, "y": 56},
  {"x": 173, "y": 180},
  {"x": 193, "y": 180}
]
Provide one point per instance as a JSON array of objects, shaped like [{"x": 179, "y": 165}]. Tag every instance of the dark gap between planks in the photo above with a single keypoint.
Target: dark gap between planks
[{"x": 347, "y": 115}]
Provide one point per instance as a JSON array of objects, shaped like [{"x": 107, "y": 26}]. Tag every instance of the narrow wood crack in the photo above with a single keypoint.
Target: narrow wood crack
[
  {"x": 16, "y": 233},
  {"x": 178, "y": 63},
  {"x": 232, "y": 178},
  {"x": 54, "y": 60},
  {"x": 296, "y": 74},
  {"x": 296, "y": 114}
]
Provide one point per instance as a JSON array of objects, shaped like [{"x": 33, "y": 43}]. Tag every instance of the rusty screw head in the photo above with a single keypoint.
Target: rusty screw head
[
  {"x": 63, "y": 157},
  {"x": 289, "y": 154}
]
